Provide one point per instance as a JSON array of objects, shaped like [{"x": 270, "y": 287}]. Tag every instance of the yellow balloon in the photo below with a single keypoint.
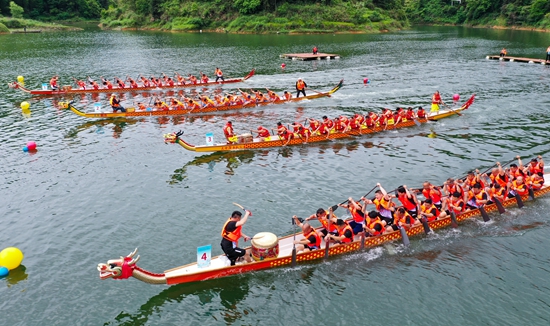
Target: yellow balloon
[
  {"x": 11, "y": 258},
  {"x": 25, "y": 105},
  {"x": 21, "y": 79}
]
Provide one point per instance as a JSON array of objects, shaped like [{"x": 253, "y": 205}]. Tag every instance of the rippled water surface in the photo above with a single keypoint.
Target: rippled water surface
[{"x": 96, "y": 189}]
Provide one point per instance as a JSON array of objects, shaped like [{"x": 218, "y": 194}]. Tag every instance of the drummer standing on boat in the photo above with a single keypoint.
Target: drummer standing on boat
[
  {"x": 231, "y": 233},
  {"x": 229, "y": 133},
  {"x": 300, "y": 87},
  {"x": 115, "y": 104},
  {"x": 436, "y": 101},
  {"x": 219, "y": 74},
  {"x": 53, "y": 83}
]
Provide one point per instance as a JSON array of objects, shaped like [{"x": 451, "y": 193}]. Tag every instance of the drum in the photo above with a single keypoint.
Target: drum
[
  {"x": 265, "y": 245},
  {"x": 245, "y": 138}
]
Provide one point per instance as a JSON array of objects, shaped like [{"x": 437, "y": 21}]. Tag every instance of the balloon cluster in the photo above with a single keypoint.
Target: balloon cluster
[
  {"x": 366, "y": 81},
  {"x": 10, "y": 258},
  {"x": 31, "y": 147}
]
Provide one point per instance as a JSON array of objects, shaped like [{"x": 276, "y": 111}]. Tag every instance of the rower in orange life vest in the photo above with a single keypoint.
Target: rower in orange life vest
[
  {"x": 106, "y": 83},
  {"x": 263, "y": 132},
  {"x": 80, "y": 83},
  {"x": 421, "y": 113},
  {"x": 357, "y": 215},
  {"x": 518, "y": 186},
  {"x": 327, "y": 219},
  {"x": 536, "y": 166},
  {"x": 53, "y": 83},
  {"x": 231, "y": 233},
  {"x": 477, "y": 197},
  {"x": 311, "y": 240},
  {"x": 456, "y": 203},
  {"x": 436, "y": 101},
  {"x": 429, "y": 211},
  {"x": 284, "y": 133},
  {"x": 326, "y": 125},
  {"x": 374, "y": 226},
  {"x": 228, "y": 132},
  {"x": 315, "y": 50},
  {"x": 408, "y": 199},
  {"x": 302, "y": 132},
  {"x": 432, "y": 192},
  {"x": 404, "y": 219},
  {"x": 287, "y": 95},
  {"x": 115, "y": 104},
  {"x": 345, "y": 233},
  {"x": 383, "y": 203},
  {"x": 94, "y": 84},
  {"x": 219, "y": 74},
  {"x": 300, "y": 87}
]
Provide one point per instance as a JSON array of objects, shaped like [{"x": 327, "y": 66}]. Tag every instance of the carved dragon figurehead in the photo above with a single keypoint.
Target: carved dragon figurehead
[
  {"x": 118, "y": 268},
  {"x": 13, "y": 85},
  {"x": 124, "y": 267},
  {"x": 172, "y": 137}
]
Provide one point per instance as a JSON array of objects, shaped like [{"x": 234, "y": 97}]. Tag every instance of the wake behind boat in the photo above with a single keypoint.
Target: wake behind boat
[
  {"x": 181, "y": 110},
  {"x": 65, "y": 90},
  {"x": 247, "y": 142},
  {"x": 271, "y": 252}
]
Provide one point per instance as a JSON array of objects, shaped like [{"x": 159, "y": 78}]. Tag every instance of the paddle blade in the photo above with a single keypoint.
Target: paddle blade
[
  {"x": 484, "y": 214},
  {"x": 327, "y": 246},
  {"x": 425, "y": 225},
  {"x": 416, "y": 122},
  {"x": 404, "y": 236},
  {"x": 334, "y": 207},
  {"x": 454, "y": 222},
  {"x": 519, "y": 201},
  {"x": 499, "y": 205},
  {"x": 531, "y": 193},
  {"x": 293, "y": 262}
]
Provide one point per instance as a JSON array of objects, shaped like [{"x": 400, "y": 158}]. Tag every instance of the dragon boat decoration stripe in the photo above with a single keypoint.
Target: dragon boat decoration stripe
[
  {"x": 131, "y": 112},
  {"x": 126, "y": 267},
  {"x": 277, "y": 141},
  {"x": 65, "y": 90}
]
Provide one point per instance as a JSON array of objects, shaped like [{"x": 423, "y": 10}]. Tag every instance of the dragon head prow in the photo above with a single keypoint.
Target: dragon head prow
[{"x": 121, "y": 268}]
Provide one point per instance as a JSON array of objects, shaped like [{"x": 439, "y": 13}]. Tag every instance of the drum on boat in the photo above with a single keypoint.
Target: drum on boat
[
  {"x": 265, "y": 245},
  {"x": 245, "y": 138}
]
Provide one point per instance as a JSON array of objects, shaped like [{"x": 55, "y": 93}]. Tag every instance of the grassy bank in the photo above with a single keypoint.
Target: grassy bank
[{"x": 19, "y": 25}]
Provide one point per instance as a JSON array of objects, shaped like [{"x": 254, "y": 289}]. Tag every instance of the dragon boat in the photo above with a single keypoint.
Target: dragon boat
[
  {"x": 132, "y": 112},
  {"x": 219, "y": 266},
  {"x": 277, "y": 141},
  {"x": 65, "y": 90}
]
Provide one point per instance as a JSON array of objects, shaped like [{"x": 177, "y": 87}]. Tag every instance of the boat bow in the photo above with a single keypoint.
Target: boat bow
[{"x": 125, "y": 267}]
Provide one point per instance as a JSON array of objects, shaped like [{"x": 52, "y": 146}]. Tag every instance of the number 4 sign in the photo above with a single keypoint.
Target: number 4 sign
[{"x": 204, "y": 255}]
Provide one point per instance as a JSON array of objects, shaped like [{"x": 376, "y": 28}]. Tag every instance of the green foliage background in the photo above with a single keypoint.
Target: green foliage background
[{"x": 287, "y": 15}]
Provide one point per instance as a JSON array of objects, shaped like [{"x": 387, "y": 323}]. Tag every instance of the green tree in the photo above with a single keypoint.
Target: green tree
[{"x": 16, "y": 10}]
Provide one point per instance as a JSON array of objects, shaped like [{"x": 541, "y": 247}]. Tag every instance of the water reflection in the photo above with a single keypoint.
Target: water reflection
[
  {"x": 232, "y": 161},
  {"x": 229, "y": 293},
  {"x": 16, "y": 275},
  {"x": 118, "y": 126}
]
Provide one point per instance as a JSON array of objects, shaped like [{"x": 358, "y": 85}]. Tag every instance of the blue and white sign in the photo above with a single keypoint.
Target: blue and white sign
[
  {"x": 44, "y": 86},
  {"x": 97, "y": 107},
  {"x": 204, "y": 256},
  {"x": 210, "y": 139}
]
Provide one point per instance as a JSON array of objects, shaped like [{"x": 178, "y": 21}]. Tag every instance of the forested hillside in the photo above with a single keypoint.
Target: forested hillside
[
  {"x": 529, "y": 13},
  {"x": 287, "y": 15}
]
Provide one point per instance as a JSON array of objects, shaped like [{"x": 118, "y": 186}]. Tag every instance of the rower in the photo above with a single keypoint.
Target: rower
[
  {"x": 519, "y": 187},
  {"x": 456, "y": 203},
  {"x": 477, "y": 197},
  {"x": 404, "y": 219},
  {"x": 145, "y": 82},
  {"x": 345, "y": 233},
  {"x": 326, "y": 125},
  {"x": 432, "y": 192},
  {"x": 132, "y": 82},
  {"x": 537, "y": 181},
  {"x": 302, "y": 132},
  {"x": 497, "y": 191},
  {"x": 327, "y": 219},
  {"x": 231, "y": 233},
  {"x": 410, "y": 115},
  {"x": 408, "y": 199},
  {"x": 311, "y": 240},
  {"x": 94, "y": 84},
  {"x": 421, "y": 113},
  {"x": 106, "y": 83},
  {"x": 383, "y": 203},
  {"x": 374, "y": 226},
  {"x": 204, "y": 78},
  {"x": 503, "y": 52},
  {"x": 536, "y": 166},
  {"x": 192, "y": 79},
  {"x": 141, "y": 106},
  {"x": 430, "y": 211},
  {"x": 120, "y": 83},
  {"x": 287, "y": 95},
  {"x": 281, "y": 129},
  {"x": 263, "y": 132},
  {"x": 356, "y": 211}
]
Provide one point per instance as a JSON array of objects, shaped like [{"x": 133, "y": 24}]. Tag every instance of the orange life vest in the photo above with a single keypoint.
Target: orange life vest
[
  {"x": 428, "y": 209},
  {"x": 407, "y": 219},
  {"x": 357, "y": 217},
  {"x": 342, "y": 234},
  {"x": 300, "y": 85},
  {"x": 409, "y": 204},
  {"x": 325, "y": 225},
  {"x": 520, "y": 189},
  {"x": 233, "y": 236},
  {"x": 317, "y": 238}
]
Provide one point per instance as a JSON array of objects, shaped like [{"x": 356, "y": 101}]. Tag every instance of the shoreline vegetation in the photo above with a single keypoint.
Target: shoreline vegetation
[
  {"x": 278, "y": 16},
  {"x": 20, "y": 25}
]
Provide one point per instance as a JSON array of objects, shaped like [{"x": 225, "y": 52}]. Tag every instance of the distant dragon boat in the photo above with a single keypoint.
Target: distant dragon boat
[
  {"x": 276, "y": 141},
  {"x": 132, "y": 112},
  {"x": 281, "y": 250},
  {"x": 65, "y": 90}
]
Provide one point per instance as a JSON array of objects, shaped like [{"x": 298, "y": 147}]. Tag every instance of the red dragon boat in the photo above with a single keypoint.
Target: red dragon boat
[
  {"x": 126, "y": 267},
  {"x": 65, "y": 90},
  {"x": 276, "y": 141},
  {"x": 131, "y": 112}
]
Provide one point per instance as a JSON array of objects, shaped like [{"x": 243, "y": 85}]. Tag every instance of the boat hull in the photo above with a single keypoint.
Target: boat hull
[{"x": 68, "y": 90}]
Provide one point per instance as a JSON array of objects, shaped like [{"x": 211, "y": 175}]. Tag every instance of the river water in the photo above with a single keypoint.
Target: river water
[{"x": 97, "y": 189}]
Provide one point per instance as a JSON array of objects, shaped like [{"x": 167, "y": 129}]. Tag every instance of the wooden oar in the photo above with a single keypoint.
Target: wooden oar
[
  {"x": 454, "y": 222},
  {"x": 404, "y": 236},
  {"x": 424, "y": 222},
  {"x": 531, "y": 193},
  {"x": 293, "y": 262},
  {"x": 448, "y": 107},
  {"x": 499, "y": 205},
  {"x": 335, "y": 207},
  {"x": 484, "y": 214},
  {"x": 519, "y": 200},
  {"x": 318, "y": 92}
]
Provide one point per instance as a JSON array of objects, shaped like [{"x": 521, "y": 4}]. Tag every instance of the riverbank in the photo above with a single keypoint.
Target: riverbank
[{"x": 17, "y": 25}]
